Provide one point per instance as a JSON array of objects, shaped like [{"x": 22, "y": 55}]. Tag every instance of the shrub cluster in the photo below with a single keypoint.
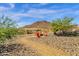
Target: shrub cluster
[
  {"x": 63, "y": 27},
  {"x": 7, "y": 33},
  {"x": 8, "y": 29}
]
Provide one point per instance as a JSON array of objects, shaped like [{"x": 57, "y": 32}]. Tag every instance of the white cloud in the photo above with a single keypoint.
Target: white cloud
[
  {"x": 12, "y": 5},
  {"x": 42, "y": 11},
  {"x": 25, "y": 15},
  {"x": 43, "y": 4},
  {"x": 34, "y": 5},
  {"x": 3, "y": 8},
  {"x": 35, "y": 13}
]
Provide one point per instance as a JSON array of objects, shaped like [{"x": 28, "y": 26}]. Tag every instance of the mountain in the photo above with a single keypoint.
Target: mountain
[{"x": 39, "y": 24}]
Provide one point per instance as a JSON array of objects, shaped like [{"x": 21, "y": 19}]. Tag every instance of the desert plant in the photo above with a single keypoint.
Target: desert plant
[
  {"x": 8, "y": 29},
  {"x": 29, "y": 32},
  {"x": 6, "y": 22},
  {"x": 62, "y": 24}
]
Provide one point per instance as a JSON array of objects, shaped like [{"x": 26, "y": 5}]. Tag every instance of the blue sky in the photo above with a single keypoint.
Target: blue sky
[{"x": 27, "y": 13}]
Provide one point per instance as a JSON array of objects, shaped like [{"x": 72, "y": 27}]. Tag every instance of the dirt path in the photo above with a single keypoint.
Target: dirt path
[{"x": 42, "y": 48}]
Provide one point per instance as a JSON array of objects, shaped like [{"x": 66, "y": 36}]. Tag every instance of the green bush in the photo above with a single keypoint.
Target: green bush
[
  {"x": 62, "y": 24},
  {"x": 6, "y": 33},
  {"x": 8, "y": 29}
]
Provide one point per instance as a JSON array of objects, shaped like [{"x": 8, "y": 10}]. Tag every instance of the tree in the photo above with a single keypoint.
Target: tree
[
  {"x": 62, "y": 24},
  {"x": 8, "y": 28},
  {"x": 6, "y": 22}
]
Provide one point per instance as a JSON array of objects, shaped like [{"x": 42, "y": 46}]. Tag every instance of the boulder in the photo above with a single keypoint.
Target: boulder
[{"x": 66, "y": 33}]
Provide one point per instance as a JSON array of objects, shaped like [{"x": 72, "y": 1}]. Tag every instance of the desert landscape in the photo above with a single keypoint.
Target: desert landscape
[
  {"x": 37, "y": 29},
  {"x": 31, "y": 45}
]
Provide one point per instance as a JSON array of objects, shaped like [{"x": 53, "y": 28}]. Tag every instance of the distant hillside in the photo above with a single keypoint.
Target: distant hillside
[{"x": 39, "y": 24}]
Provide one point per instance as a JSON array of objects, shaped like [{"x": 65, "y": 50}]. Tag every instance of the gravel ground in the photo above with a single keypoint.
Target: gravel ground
[
  {"x": 12, "y": 48},
  {"x": 69, "y": 45},
  {"x": 17, "y": 50}
]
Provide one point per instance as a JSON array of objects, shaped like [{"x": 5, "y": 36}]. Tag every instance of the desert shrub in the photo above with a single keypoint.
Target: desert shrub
[
  {"x": 60, "y": 25},
  {"x": 21, "y": 31},
  {"x": 7, "y": 33},
  {"x": 8, "y": 29},
  {"x": 29, "y": 32}
]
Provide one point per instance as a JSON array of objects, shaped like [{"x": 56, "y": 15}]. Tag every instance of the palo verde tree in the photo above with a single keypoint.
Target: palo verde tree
[
  {"x": 8, "y": 28},
  {"x": 6, "y": 22},
  {"x": 61, "y": 24}
]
